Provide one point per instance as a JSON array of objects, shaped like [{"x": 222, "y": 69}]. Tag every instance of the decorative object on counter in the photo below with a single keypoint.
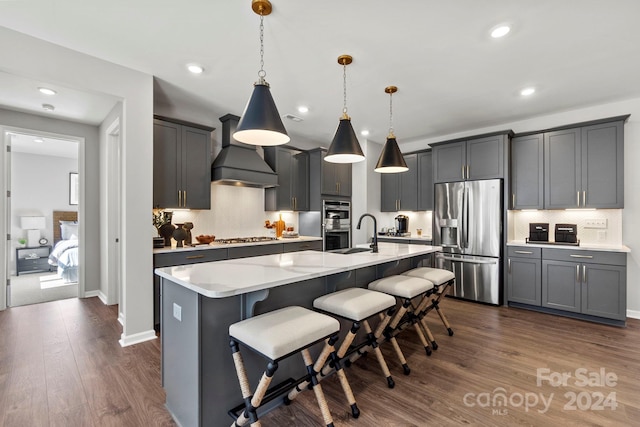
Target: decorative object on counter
[
  {"x": 179, "y": 235},
  {"x": 161, "y": 218},
  {"x": 205, "y": 238},
  {"x": 290, "y": 234},
  {"x": 538, "y": 232},
  {"x": 567, "y": 234},
  {"x": 419, "y": 232},
  {"x": 188, "y": 226},
  {"x": 345, "y": 147},
  {"x": 261, "y": 123},
  {"x": 158, "y": 242},
  {"x": 22, "y": 242},
  {"x": 391, "y": 159},
  {"x": 246, "y": 239},
  {"x": 166, "y": 231},
  {"x": 280, "y": 226}
]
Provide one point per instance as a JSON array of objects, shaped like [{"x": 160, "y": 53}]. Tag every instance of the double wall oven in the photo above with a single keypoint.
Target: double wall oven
[{"x": 336, "y": 224}]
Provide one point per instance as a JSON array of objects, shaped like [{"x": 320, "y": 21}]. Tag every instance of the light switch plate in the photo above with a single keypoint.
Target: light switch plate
[
  {"x": 596, "y": 223},
  {"x": 177, "y": 312}
]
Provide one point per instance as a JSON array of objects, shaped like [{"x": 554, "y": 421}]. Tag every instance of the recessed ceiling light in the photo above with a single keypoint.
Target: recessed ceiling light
[
  {"x": 38, "y": 140},
  {"x": 48, "y": 107},
  {"x": 47, "y": 91},
  {"x": 500, "y": 31},
  {"x": 528, "y": 91},
  {"x": 195, "y": 68},
  {"x": 303, "y": 109},
  {"x": 364, "y": 132}
]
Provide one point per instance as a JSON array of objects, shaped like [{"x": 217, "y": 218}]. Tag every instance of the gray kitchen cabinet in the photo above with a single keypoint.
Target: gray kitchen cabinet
[
  {"x": 257, "y": 250},
  {"x": 584, "y": 167},
  {"x": 524, "y": 284},
  {"x": 587, "y": 282},
  {"x": 292, "y": 167},
  {"x": 335, "y": 178},
  {"x": 527, "y": 172},
  {"x": 314, "y": 245},
  {"x": 425, "y": 181},
  {"x": 472, "y": 159},
  {"x": 181, "y": 165},
  {"x": 399, "y": 191}
]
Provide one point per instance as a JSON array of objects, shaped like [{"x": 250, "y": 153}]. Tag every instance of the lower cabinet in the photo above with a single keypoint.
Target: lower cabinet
[{"x": 587, "y": 283}]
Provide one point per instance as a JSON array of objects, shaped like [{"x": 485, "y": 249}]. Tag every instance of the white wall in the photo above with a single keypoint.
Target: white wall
[
  {"x": 73, "y": 69},
  {"x": 39, "y": 185}
]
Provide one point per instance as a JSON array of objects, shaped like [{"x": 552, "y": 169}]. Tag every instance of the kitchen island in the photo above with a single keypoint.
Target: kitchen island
[{"x": 200, "y": 301}]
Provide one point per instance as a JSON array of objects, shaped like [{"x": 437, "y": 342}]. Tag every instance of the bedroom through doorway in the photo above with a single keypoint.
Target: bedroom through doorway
[{"x": 43, "y": 254}]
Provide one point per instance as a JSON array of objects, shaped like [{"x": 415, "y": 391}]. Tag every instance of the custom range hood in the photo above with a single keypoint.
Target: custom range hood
[{"x": 238, "y": 163}]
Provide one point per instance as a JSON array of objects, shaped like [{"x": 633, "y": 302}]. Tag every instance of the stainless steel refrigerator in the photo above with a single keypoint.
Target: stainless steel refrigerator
[{"x": 467, "y": 223}]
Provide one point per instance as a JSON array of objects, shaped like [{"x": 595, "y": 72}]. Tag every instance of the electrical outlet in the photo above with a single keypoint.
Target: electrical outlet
[
  {"x": 596, "y": 223},
  {"x": 177, "y": 312}
]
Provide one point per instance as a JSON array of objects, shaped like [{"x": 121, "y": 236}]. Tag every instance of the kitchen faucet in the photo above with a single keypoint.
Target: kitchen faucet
[{"x": 374, "y": 244}]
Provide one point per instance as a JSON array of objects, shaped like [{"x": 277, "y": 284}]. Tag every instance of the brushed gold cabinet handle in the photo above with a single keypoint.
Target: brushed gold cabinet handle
[
  {"x": 513, "y": 200},
  {"x": 195, "y": 257},
  {"x": 184, "y": 199}
]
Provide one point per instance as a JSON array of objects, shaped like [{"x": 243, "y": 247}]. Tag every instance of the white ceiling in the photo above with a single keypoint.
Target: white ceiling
[
  {"x": 43, "y": 145},
  {"x": 451, "y": 75}
]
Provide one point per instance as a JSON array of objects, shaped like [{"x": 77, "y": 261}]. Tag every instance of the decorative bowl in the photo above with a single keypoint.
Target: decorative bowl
[{"x": 205, "y": 238}]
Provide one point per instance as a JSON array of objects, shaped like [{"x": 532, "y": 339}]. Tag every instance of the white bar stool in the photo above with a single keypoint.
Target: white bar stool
[
  {"x": 277, "y": 335},
  {"x": 441, "y": 279},
  {"x": 405, "y": 288},
  {"x": 358, "y": 305}
]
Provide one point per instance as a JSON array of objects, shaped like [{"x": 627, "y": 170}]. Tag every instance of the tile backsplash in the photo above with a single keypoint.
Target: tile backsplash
[
  {"x": 611, "y": 235},
  {"x": 416, "y": 220},
  {"x": 235, "y": 212}
]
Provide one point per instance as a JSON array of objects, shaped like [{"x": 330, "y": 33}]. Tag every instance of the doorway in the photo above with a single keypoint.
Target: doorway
[{"x": 43, "y": 189}]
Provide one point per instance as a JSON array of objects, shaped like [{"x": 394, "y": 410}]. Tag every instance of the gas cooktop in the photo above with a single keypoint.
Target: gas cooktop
[{"x": 246, "y": 239}]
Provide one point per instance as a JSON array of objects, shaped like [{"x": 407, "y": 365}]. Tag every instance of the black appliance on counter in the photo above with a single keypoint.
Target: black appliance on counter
[
  {"x": 538, "y": 232},
  {"x": 402, "y": 225},
  {"x": 566, "y": 234}
]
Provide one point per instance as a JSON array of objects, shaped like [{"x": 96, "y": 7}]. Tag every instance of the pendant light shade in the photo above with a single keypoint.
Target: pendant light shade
[
  {"x": 344, "y": 147},
  {"x": 391, "y": 159},
  {"x": 260, "y": 123}
]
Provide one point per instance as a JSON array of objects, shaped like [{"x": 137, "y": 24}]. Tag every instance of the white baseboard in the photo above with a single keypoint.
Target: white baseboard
[
  {"x": 98, "y": 293},
  {"x": 121, "y": 318},
  {"x": 127, "y": 340},
  {"x": 634, "y": 314}
]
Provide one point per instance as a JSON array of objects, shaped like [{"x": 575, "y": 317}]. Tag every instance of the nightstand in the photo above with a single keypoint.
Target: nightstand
[{"x": 32, "y": 260}]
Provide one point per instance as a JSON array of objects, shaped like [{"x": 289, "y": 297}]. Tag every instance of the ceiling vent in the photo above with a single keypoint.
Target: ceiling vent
[{"x": 293, "y": 118}]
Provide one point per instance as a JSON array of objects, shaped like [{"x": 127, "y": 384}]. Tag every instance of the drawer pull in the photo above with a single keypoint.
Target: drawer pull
[
  {"x": 582, "y": 256},
  {"x": 524, "y": 252},
  {"x": 195, "y": 256}
]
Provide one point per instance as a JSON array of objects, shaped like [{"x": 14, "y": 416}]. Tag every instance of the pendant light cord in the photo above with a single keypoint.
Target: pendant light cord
[
  {"x": 344, "y": 85},
  {"x": 262, "y": 73},
  {"x": 391, "y": 115}
]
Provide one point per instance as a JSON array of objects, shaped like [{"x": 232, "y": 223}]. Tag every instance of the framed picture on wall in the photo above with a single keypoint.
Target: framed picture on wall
[{"x": 73, "y": 188}]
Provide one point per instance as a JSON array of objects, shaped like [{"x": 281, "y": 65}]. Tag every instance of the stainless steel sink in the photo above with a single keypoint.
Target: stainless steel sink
[{"x": 351, "y": 250}]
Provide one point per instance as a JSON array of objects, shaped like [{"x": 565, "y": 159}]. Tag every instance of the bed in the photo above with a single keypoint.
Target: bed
[{"x": 64, "y": 255}]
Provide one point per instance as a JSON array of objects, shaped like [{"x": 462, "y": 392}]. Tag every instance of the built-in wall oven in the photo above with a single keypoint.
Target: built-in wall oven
[{"x": 336, "y": 224}]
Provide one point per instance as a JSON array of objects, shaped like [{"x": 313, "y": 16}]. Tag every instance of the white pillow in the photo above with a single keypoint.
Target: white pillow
[{"x": 68, "y": 228}]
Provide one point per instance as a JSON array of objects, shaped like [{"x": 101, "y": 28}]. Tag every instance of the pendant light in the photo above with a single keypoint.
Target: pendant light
[
  {"x": 391, "y": 159},
  {"x": 345, "y": 147},
  {"x": 260, "y": 123}
]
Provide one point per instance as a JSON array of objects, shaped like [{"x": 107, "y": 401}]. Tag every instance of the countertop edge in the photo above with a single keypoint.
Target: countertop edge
[
  {"x": 171, "y": 250},
  {"x": 581, "y": 247}
]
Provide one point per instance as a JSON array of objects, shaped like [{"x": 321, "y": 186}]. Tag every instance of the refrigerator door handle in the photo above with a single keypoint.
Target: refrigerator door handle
[
  {"x": 468, "y": 261},
  {"x": 465, "y": 231}
]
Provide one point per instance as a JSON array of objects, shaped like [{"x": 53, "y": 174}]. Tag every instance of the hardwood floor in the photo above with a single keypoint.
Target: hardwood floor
[{"x": 61, "y": 364}]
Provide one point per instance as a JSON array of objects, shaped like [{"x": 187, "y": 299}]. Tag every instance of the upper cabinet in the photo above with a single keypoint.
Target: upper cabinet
[
  {"x": 181, "y": 165},
  {"x": 527, "y": 172},
  {"x": 425, "y": 181},
  {"x": 584, "y": 167},
  {"x": 478, "y": 158},
  {"x": 399, "y": 191},
  {"x": 327, "y": 179},
  {"x": 292, "y": 167}
]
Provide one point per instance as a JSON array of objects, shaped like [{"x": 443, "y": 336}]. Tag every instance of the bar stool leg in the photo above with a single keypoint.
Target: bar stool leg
[
  {"x": 317, "y": 389},
  {"x": 379, "y": 356},
  {"x": 436, "y": 305}
]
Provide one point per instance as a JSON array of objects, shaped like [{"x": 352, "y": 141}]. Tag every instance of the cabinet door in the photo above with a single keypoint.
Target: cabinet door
[
  {"x": 196, "y": 168},
  {"x": 343, "y": 178},
  {"x": 284, "y": 169},
  {"x": 604, "y": 291},
  {"x": 527, "y": 172},
  {"x": 389, "y": 192},
  {"x": 329, "y": 183},
  {"x": 603, "y": 166},
  {"x": 300, "y": 182},
  {"x": 449, "y": 161},
  {"x": 562, "y": 170},
  {"x": 485, "y": 158},
  {"x": 167, "y": 164},
  {"x": 524, "y": 284},
  {"x": 561, "y": 285},
  {"x": 425, "y": 182},
  {"x": 409, "y": 185}
]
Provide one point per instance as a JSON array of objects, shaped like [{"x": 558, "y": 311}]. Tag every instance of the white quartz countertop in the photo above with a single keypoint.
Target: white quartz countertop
[
  {"x": 581, "y": 247},
  {"x": 220, "y": 279},
  {"x": 215, "y": 245},
  {"x": 416, "y": 237}
]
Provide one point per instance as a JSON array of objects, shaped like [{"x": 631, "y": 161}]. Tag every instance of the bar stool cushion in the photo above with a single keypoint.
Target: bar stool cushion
[
  {"x": 354, "y": 303},
  {"x": 401, "y": 286},
  {"x": 436, "y": 275},
  {"x": 284, "y": 331}
]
